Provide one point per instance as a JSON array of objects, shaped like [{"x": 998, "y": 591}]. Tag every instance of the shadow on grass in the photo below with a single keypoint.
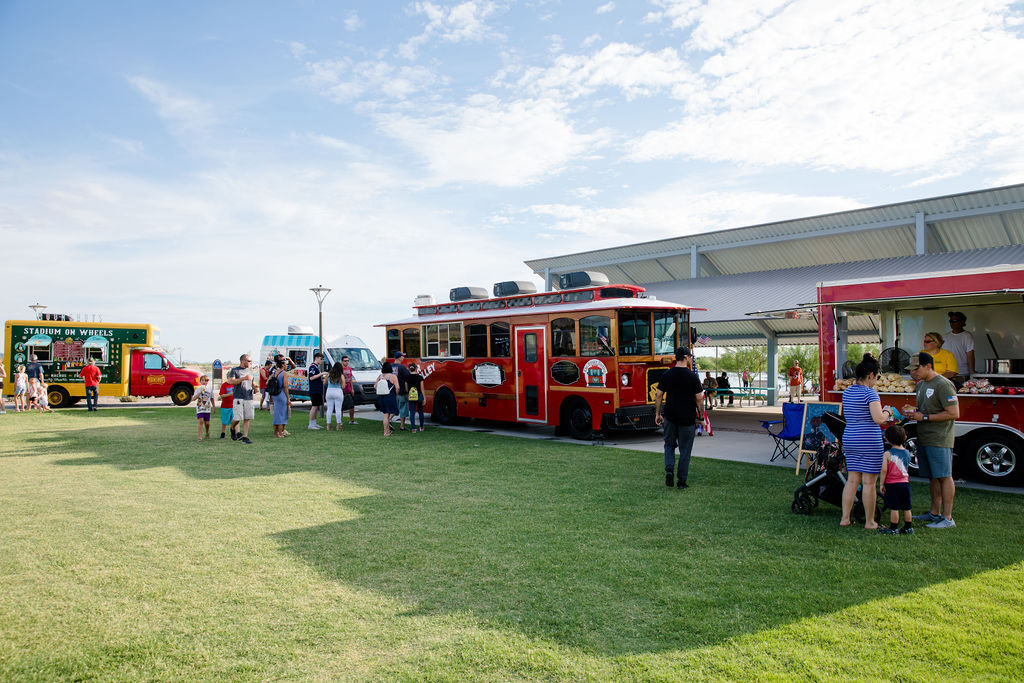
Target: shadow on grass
[{"x": 578, "y": 545}]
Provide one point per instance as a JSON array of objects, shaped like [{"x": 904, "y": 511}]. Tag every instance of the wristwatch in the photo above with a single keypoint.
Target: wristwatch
[{"x": 924, "y": 417}]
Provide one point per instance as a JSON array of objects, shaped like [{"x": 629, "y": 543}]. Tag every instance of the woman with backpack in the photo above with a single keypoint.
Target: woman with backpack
[
  {"x": 387, "y": 395},
  {"x": 415, "y": 384},
  {"x": 277, "y": 387}
]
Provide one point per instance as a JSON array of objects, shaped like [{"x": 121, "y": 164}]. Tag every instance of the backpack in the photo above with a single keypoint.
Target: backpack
[
  {"x": 274, "y": 386},
  {"x": 383, "y": 387},
  {"x": 414, "y": 394}
]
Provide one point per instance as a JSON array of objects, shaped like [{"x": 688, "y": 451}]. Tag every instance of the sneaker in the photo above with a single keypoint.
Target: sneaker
[
  {"x": 352, "y": 422},
  {"x": 682, "y": 485},
  {"x": 670, "y": 480},
  {"x": 927, "y": 517},
  {"x": 314, "y": 425},
  {"x": 887, "y": 530},
  {"x": 222, "y": 435},
  {"x": 943, "y": 524},
  {"x": 904, "y": 530},
  {"x": 245, "y": 439},
  {"x": 234, "y": 435}
]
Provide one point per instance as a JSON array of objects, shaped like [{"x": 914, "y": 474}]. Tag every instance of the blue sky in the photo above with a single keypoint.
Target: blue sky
[{"x": 200, "y": 165}]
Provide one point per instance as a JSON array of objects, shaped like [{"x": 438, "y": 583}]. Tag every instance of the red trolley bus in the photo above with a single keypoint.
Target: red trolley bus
[{"x": 583, "y": 358}]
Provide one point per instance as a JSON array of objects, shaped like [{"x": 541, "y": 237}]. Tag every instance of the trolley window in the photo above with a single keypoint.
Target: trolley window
[
  {"x": 563, "y": 337},
  {"x": 595, "y": 336},
  {"x": 476, "y": 341},
  {"x": 411, "y": 342},
  {"x": 394, "y": 343},
  {"x": 444, "y": 340},
  {"x": 501, "y": 341},
  {"x": 617, "y": 293},
  {"x": 520, "y": 302},
  {"x": 634, "y": 333},
  {"x": 571, "y": 297},
  {"x": 470, "y": 306},
  {"x": 666, "y": 324},
  {"x": 490, "y": 305},
  {"x": 548, "y": 299}
]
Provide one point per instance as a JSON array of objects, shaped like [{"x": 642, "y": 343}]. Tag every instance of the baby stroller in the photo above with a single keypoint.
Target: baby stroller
[{"x": 826, "y": 476}]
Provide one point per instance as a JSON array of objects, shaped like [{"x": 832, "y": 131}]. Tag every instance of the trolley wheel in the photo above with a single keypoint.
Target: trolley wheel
[
  {"x": 445, "y": 407},
  {"x": 577, "y": 419}
]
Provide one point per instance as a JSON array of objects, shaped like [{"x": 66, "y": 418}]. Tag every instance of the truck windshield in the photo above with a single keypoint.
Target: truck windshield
[{"x": 358, "y": 359}]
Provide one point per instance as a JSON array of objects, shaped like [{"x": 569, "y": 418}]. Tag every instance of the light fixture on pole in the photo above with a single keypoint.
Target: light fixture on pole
[
  {"x": 321, "y": 292},
  {"x": 38, "y": 308}
]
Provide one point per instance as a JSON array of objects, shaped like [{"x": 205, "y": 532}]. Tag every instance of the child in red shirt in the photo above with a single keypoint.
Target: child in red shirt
[{"x": 227, "y": 408}]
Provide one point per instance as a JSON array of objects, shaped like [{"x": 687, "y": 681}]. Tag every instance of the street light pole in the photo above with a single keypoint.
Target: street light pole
[
  {"x": 321, "y": 292},
  {"x": 38, "y": 308}
]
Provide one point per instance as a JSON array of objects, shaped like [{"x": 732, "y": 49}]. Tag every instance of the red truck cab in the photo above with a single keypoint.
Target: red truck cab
[{"x": 153, "y": 374}]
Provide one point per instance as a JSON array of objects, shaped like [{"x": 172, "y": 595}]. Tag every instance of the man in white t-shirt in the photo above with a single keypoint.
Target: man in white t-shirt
[{"x": 960, "y": 343}]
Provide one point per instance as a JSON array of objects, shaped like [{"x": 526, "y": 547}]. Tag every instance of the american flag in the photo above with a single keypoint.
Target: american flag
[{"x": 703, "y": 339}]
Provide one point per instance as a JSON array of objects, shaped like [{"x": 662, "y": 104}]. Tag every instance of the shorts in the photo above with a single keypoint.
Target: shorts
[
  {"x": 225, "y": 415},
  {"x": 20, "y": 390},
  {"x": 348, "y": 403},
  {"x": 934, "y": 462},
  {"x": 403, "y": 405},
  {"x": 897, "y": 496},
  {"x": 205, "y": 417},
  {"x": 244, "y": 409},
  {"x": 316, "y": 398}
]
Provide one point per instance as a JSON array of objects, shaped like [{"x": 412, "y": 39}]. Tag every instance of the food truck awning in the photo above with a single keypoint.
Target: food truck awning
[
  {"x": 40, "y": 340},
  {"x": 95, "y": 342}
]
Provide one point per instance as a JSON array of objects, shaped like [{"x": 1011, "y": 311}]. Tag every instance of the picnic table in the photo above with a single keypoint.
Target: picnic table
[{"x": 750, "y": 393}]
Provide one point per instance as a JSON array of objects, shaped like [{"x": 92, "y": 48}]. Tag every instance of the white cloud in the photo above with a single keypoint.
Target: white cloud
[
  {"x": 681, "y": 208},
  {"x": 182, "y": 113},
  {"x": 464, "y": 22},
  {"x": 345, "y": 80},
  {"x": 605, "y": 8},
  {"x": 353, "y": 22},
  {"x": 489, "y": 141},
  {"x": 630, "y": 68},
  {"x": 892, "y": 86}
]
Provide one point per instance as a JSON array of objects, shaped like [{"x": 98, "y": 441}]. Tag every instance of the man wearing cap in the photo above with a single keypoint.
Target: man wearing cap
[
  {"x": 402, "y": 373},
  {"x": 937, "y": 409},
  {"x": 682, "y": 388},
  {"x": 960, "y": 343}
]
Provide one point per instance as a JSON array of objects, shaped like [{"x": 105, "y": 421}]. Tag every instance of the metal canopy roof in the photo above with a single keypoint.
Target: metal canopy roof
[
  {"x": 777, "y": 266},
  {"x": 962, "y": 222}
]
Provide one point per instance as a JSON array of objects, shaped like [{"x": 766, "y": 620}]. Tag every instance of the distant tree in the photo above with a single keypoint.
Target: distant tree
[{"x": 856, "y": 351}]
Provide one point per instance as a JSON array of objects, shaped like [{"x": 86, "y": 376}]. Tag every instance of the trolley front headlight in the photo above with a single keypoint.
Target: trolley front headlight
[{"x": 625, "y": 379}]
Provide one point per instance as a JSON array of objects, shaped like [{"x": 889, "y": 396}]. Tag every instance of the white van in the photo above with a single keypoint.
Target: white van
[{"x": 365, "y": 366}]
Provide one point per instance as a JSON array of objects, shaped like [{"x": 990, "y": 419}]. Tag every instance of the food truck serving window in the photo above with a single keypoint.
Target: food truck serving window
[{"x": 444, "y": 340}]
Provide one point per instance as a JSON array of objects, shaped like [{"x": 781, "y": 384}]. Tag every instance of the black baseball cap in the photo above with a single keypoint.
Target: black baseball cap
[{"x": 682, "y": 352}]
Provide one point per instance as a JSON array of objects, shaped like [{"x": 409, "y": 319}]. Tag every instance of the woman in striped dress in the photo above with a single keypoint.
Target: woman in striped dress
[{"x": 862, "y": 441}]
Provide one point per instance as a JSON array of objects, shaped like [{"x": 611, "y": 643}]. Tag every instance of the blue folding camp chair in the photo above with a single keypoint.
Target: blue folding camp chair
[{"x": 787, "y": 438}]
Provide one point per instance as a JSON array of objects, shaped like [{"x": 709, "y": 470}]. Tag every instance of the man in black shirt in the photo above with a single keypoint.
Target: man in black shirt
[
  {"x": 315, "y": 374},
  {"x": 724, "y": 389},
  {"x": 683, "y": 408}
]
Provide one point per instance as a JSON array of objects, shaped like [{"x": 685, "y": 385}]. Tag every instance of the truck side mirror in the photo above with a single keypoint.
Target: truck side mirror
[{"x": 693, "y": 336}]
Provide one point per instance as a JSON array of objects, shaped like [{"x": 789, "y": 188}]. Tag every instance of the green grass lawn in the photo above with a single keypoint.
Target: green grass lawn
[{"x": 130, "y": 551}]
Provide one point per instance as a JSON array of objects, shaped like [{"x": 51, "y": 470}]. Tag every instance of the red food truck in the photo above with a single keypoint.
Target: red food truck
[
  {"x": 583, "y": 358},
  {"x": 990, "y": 432}
]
